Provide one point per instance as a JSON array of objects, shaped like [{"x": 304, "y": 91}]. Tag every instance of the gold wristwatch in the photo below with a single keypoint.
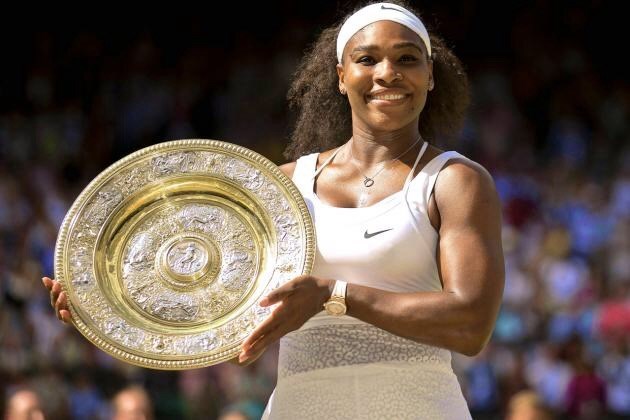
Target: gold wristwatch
[{"x": 336, "y": 305}]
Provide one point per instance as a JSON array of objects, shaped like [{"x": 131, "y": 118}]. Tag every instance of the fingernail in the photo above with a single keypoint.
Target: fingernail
[{"x": 264, "y": 301}]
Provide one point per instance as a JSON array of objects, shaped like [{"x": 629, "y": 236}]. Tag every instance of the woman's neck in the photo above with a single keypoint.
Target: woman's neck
[{"x": 370, "y": 147}]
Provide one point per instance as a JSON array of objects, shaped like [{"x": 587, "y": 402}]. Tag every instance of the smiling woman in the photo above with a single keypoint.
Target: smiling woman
[{"x": 409, "y": 263}]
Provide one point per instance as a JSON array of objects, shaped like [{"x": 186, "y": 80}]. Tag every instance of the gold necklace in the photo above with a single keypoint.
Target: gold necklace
[{"x": 368, "y": 181}]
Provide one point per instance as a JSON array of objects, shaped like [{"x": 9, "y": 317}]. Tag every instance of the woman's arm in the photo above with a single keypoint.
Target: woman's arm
[{"x": 470, "y": 262}]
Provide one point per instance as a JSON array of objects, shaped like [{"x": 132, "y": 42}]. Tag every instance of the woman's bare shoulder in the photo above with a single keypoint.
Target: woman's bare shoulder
[
  {"x": 326, "y": 154},
  {"x": 463, "y": 170},
  {"x": 323, "y": 156},
  {"x": 466, "y": 185},
  {"x": 288, "y": 168}
]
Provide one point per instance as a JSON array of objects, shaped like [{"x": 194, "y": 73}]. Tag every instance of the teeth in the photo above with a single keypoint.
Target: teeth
[{"x": 388, "y": 97}]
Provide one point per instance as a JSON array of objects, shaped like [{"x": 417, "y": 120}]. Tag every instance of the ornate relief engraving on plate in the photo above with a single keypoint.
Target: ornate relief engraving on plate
[{"x": 166, "y": 253}]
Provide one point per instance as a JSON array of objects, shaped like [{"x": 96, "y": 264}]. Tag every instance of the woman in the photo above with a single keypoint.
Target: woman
[
  {"x": 413, "y": 231},
  {"x": 409, "y": 264}
]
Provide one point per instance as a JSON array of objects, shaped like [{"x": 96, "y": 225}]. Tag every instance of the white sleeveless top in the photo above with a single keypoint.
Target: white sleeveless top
[
  {"x": 390, "y": 245},
  {"x": 341, "y": 367}
]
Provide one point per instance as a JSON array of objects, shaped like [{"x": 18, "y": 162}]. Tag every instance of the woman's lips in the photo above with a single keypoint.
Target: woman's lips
[{"x": 387, "y": 98}]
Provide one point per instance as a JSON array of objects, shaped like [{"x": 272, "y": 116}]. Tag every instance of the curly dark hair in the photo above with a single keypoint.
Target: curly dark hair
[{"x": 324, "y": 119}]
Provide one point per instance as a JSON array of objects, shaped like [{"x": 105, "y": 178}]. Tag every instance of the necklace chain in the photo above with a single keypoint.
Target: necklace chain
[{"x": 368, "y": 181}]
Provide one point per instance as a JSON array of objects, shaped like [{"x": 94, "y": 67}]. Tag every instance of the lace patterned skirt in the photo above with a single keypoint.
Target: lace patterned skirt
[{"x": 362, "y": 372}]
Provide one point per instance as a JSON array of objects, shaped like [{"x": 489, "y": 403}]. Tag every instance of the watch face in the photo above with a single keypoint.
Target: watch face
[{"x": 336, "y": 308}]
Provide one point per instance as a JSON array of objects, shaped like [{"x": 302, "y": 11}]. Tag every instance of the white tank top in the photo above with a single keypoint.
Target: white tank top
[
  {"x": 341, "y": 367},
  {"x": 390, "y": 245}
]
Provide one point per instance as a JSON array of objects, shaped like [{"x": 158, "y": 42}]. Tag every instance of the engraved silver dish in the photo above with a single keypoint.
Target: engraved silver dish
[{"x": 166, "y": 253}]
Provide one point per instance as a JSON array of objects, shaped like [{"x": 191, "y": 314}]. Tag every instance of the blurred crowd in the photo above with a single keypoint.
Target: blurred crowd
[{"x": 549, "y": 121}]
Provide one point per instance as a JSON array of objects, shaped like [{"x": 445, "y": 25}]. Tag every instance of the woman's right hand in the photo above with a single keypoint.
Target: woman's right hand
[{"x": 58, "y": 299}]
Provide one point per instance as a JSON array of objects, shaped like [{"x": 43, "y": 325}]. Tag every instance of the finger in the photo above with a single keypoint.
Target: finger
[
  {"x": 264, "y": 341},
  {"x": 264, "y": 328},
  {"x": 246, "y": 360},
  {"x": 60, "y": 304},
  {"x": 66, "y": 317},
  {"x": 261, "y": 338},
  {"x": 48, "y": 283},
  {"x": 56, "y": 307},
  {"x": 259, "y": 346},
  {"x": 278, "y": 295},
  {"x": 273, "y": 297},
  {"x": 260, "y": 331},
  {"x": 54, "y": 294}
]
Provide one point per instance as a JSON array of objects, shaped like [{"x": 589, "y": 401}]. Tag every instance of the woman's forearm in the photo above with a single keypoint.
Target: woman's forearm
[{"x": 438, "y": 318}]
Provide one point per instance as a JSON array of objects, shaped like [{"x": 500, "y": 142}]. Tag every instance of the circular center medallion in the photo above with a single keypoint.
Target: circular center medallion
[{"x": 186, "y": 258}]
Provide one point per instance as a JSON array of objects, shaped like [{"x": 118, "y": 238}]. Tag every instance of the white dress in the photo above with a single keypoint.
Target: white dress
[{"x": 344, "y": 368}]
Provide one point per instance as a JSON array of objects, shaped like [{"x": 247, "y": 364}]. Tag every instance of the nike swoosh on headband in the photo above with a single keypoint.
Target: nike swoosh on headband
[{"x": 367, "y": 235}]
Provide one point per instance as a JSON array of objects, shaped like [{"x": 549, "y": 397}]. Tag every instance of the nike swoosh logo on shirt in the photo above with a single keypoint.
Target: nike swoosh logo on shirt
[{"x": 367, "y": 235}]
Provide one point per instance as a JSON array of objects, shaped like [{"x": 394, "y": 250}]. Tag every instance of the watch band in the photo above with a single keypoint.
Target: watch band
[
  {"x": 339, "y": 291},
  {"x": 336, "y": 304}
]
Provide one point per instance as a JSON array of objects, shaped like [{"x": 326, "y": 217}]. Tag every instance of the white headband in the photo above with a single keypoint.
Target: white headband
[{"x": 374, "y": 13}]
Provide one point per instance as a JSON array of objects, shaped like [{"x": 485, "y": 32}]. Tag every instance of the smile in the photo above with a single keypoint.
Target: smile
[{"x": 387, "y": 97}]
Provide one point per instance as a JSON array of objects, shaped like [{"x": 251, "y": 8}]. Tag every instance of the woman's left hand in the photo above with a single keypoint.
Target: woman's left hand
[{"x": 299, "y": 299}]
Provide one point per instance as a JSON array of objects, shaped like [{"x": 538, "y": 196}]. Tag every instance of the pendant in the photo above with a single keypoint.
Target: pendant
[{"x": 368, "y": 182}]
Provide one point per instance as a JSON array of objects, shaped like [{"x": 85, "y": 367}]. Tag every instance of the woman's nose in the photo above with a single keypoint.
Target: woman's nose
[{"x": 386, "y": 72}]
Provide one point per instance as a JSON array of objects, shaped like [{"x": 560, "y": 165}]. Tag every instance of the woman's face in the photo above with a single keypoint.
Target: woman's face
[{"x": 386, "y": 75}]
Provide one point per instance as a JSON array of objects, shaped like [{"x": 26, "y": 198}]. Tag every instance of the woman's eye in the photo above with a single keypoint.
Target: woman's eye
[
  {"x": 366, "y": 60},
  {"x": 408, "y": 58}
]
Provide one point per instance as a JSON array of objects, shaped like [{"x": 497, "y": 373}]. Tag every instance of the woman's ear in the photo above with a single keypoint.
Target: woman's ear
[
  {"x": 342, "y": 86},
  {"x": 431, "y": 82}
]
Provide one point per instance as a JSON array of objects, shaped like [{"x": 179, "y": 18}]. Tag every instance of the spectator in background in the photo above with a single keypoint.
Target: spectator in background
[
  {"x": 526, "y": 405},
  {"x": 614, "y": 368},
  {"x": 482, "y": 389},
  {"x": 549, "y": 375},
  {"x": 24, "y": 404},
  {"x": 85, "y": 398},
  {"x": 132, "y": 403},
  {"x": 586, "y": 392},
  {"x": 245, "y": 410}
]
